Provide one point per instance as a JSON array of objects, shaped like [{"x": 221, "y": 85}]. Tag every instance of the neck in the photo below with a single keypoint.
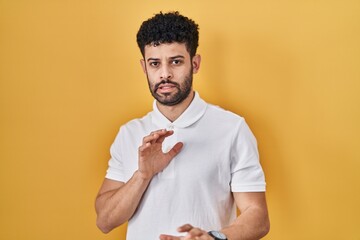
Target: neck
[{"x": 173, "y": 112}]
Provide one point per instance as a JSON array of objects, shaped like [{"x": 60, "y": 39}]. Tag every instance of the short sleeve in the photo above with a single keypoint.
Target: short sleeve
[
  {"x": 246, "y": 172},
  {"x": 116, "y": 168}
]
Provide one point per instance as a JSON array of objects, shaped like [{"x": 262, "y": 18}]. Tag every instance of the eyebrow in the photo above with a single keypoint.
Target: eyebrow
[
  {"x": 177, "y": 56},
  {"x": 172, "y": 58}
]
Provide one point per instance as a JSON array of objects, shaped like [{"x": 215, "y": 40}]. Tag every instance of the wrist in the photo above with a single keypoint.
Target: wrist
[{"x": 143, "y": 176}]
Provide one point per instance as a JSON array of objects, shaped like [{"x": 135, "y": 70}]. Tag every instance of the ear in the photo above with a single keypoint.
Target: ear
[
  {"x": 143, "y": 65},
  {"x": 196, "y": 60}
]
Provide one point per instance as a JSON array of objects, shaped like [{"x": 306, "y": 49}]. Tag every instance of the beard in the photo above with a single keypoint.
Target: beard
[{"x": 170, "y": 99}]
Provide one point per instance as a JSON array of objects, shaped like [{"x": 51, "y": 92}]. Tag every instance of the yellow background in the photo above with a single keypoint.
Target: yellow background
[{"x": 70, "y": 76}]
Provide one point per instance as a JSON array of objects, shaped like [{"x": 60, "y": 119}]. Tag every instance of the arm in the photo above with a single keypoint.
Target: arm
[
  {"x": 252, "y": 224},
  {"x": 117, "y": 201},
  {"x": 253, "y": 221}
]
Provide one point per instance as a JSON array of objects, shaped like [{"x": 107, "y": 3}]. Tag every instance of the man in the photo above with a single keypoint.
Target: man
[{"x": 180, "y": 171}]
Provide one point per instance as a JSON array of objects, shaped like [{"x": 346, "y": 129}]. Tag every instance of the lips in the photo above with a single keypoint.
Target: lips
[{"x": 165, "y": 87}]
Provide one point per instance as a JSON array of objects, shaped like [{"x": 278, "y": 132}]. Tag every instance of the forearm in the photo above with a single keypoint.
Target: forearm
[
  {"x": 252, "y": 224},
  {"x": 117, "y": 206}
]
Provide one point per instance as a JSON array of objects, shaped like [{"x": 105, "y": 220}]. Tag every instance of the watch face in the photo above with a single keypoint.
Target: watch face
[{"x": 218, "y": 235}]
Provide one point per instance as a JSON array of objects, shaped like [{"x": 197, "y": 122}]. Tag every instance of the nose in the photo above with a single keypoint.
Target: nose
[{"x": 166, "y": 73}]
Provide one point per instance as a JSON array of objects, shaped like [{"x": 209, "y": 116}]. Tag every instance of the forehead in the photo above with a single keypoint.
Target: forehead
[{"x": 166, "y": 50}]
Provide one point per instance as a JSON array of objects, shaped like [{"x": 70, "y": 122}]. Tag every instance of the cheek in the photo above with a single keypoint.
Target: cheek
[
  {"x": 149, "y": 77},
  {"x": 181, "y": 73},
  {"x": 151, "y": 81},
  {"x": 152, "y": 75}
]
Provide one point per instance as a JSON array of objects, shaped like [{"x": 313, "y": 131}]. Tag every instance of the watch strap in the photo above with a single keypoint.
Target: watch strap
[{"x": 217, "y": 235}]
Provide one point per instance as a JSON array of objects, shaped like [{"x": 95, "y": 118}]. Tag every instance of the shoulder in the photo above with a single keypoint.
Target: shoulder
[
  {"x": 228, "y": 122},
  {"x": 220, "y": 114},
  {"x": 138, "y": 121},
  {"x": 136, "y": 125}
]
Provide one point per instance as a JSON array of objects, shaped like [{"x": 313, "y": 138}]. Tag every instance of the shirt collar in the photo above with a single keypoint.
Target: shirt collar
[{"x": 192, "y": 114}]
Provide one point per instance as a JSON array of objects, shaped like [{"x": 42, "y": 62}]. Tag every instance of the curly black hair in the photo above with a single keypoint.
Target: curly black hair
[{"x": 167, "y": 28}]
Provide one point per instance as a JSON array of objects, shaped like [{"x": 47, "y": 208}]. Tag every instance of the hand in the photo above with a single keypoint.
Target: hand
[
  {"x": 192, "y": 233},
  {"x": 152, "y": 160}
]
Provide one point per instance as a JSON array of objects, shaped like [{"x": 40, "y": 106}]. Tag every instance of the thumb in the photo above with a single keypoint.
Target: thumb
[{"x": 175, "y": 150}]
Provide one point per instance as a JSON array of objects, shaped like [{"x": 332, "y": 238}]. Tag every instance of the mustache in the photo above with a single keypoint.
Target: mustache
[{"x": 165, "y": 82}]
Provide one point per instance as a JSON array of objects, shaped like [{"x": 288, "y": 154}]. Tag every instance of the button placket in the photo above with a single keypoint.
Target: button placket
[{"x": 169, "y": 171}]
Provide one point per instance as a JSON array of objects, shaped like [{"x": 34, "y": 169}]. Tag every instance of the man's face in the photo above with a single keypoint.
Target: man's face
[{"x": 169, "y": 70}]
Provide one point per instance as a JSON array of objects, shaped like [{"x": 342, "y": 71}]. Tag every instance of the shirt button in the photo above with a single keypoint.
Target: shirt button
[{"x": 171, "y": 127}]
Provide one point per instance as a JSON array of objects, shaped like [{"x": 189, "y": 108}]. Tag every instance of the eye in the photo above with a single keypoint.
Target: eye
[
  {"x": 154, "y": 64},
  {"x": 176, "y": 62}
]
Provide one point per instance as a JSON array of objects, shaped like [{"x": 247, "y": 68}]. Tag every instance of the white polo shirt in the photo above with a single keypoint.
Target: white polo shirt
[{"x": 219, "y": 157}]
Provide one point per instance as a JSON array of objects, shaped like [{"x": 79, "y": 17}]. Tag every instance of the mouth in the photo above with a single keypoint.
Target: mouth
[{"x": 165, "y": 87}]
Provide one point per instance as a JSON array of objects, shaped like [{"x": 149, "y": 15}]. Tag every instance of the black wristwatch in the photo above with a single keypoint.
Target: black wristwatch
[{"x": 217, "y": 235}]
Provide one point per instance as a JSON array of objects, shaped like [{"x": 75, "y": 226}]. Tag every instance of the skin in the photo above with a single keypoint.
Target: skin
[
  {"x": 168, "y": 92},
  {"x": 117, "y": 201},
  {"x": 169, "y": 62}
]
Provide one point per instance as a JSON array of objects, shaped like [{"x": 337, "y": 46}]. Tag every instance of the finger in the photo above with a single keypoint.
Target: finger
[
  {"x": 185, "y": 227},
  {"x": 164, "y": 237},
  {"x": 155, "y": 135},
  {"x": 169, "y": 237},
  {"x": 171, "y": 154},
  {"x": 195, "y": 232},
  {"x": 143, "y": 147},
  {"x": 164, "y": 135},
  {"x": 160, "y": 132},
  {"x": 150, "y": 138}
]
